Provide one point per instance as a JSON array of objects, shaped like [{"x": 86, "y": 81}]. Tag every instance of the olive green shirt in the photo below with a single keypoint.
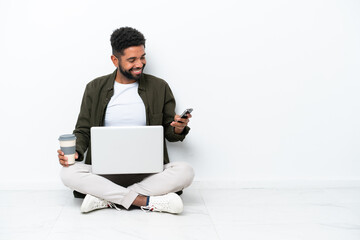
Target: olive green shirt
[{"x": 159, "y": 106}]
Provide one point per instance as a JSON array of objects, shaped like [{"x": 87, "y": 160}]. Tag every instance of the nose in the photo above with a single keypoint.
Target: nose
[{"x": 140, "y": 63}]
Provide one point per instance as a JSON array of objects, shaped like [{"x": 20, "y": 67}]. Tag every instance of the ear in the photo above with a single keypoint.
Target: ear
[{"x": 115, "y": 61}]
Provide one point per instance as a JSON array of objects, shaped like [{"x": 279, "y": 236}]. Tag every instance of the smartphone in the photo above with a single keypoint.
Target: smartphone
[{"x": 188, "y": 110}]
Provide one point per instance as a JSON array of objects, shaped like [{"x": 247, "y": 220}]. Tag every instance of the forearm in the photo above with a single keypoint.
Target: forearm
[{"x": 172, "y": 136}]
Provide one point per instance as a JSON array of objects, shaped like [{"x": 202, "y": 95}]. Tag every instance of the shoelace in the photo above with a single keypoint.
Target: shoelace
[
  {"x": 147, "y": 208},
  {"x": 162, "y": 205},
  {"x": 113, "y": 205}
]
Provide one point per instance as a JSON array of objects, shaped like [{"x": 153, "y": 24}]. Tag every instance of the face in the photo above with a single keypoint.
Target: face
[{"x": 132, "y": 63}]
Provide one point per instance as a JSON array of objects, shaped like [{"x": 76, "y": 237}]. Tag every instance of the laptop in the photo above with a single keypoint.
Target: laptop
[{"x": 127, "y": 150}]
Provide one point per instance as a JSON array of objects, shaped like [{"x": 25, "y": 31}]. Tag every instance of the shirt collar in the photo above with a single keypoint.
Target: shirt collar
[{"x": 110, "y": 84}]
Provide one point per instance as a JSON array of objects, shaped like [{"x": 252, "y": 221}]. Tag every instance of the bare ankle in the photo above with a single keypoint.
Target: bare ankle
[{"x": 140, "y": 201}]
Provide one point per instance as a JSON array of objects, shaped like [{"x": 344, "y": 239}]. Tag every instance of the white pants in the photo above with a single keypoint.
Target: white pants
[{"x": 113, "y": 188}]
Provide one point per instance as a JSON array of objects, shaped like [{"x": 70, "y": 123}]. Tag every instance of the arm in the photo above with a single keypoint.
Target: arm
[
  {"x": 174, "y": 131},
  {"x": 82, "y": 127}
]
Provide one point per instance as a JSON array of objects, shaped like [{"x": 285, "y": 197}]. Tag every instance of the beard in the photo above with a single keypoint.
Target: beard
[{"x": 128, "y": 75}]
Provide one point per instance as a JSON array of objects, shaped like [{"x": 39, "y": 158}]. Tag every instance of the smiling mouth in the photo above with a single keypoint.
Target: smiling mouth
[{"x": 137, "y": 71}]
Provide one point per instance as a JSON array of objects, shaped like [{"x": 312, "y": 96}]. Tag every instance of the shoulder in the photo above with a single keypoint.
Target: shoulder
[
  {"x": 100, "y": 84},
  {"x": 101, "y": 81},
  {"x": 153, "y": 81}
]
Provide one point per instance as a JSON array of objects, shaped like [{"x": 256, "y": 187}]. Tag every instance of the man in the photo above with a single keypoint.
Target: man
[{"x": 124, "y": 98}]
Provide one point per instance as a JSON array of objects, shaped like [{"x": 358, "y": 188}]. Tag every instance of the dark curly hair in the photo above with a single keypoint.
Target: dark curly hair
[{"x": 125, "y": 37}]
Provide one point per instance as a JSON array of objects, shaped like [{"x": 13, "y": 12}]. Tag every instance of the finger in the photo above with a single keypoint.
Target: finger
[
  {"x": 179, "y": 125},
  {"x": 60, "y": 152},
  {"x": 185, "y": 120},
  {"x": 64, "y": 163},
  {"x": 189, "y": 115},
  {"x": 174, "y": 124},
  {"x": 182, "y": 120},
  {"x": 76, "y": 155}
]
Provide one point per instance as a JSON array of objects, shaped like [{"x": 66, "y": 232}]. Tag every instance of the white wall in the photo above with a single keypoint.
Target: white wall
[{"x": 274, "y": 84}]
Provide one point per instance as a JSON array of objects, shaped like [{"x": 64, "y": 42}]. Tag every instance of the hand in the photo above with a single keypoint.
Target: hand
[
  {"x": 180, "y": 123},
  {"x": 63, "y": 159}
]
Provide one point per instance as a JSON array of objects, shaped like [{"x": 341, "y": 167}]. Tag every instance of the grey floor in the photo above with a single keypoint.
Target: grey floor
[{"x": 208, "y": 214}]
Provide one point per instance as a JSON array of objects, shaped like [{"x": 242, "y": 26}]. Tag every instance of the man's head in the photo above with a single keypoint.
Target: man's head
[
  {"x": 128, "y": 48},
  {"x": 125, "y": 37}
]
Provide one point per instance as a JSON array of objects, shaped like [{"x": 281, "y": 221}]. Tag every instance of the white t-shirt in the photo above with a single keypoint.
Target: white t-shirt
[{"x": 125, "y": 108}]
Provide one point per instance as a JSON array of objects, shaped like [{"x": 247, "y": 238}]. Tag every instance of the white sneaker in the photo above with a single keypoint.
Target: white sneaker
[
  {"x": 170, "y": 203},
  {"x": 92, "y": 203}
]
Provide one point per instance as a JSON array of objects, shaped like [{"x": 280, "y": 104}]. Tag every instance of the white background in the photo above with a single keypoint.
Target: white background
[{"x": 274, "y": 84}]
